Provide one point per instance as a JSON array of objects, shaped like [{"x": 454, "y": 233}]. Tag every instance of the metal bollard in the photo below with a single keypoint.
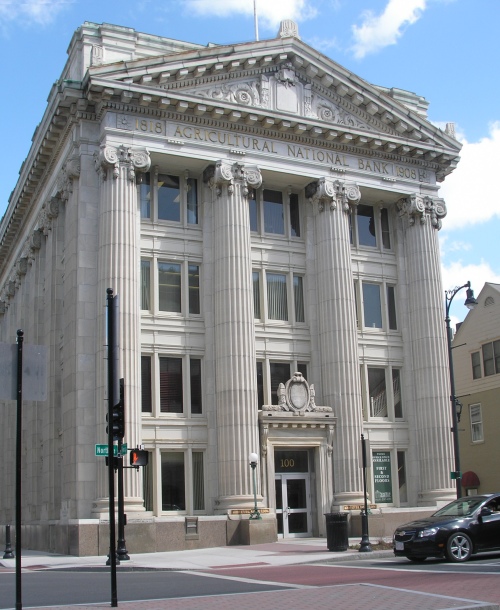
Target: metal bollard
[{"x": 8, "y": 554}]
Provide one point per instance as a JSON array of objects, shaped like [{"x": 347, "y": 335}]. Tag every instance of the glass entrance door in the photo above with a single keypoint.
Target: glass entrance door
[{"x": 292, "y": 505}]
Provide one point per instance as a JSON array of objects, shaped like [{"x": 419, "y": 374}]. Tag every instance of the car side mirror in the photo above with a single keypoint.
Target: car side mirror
[{"x": 485, "y": 511}]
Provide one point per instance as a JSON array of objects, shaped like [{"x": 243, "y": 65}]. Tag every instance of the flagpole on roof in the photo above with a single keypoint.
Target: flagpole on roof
[{"x": 255, "y": 20}]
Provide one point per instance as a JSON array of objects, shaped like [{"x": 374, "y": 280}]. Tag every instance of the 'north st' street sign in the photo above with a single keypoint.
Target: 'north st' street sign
[{"x": 102, "y": 450}]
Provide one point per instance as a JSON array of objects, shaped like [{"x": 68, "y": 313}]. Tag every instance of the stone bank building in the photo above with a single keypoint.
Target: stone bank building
[{"x": 270, "y": 223}]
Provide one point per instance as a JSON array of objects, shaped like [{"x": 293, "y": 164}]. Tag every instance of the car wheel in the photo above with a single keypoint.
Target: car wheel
[
  {"x": 416, "y": 559},
  {"x": 458, "y": 547}
]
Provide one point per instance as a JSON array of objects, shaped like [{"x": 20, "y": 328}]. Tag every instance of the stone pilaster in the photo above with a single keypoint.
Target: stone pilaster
[
  {"x": 235, "y": 377},
  {"x": 340, "y": 377},
  {"x": 422, "y": 218},
  {"x": 118, "y": 268}
]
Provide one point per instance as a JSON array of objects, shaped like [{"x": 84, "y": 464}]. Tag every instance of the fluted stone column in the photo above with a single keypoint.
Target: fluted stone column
[
  {"x": 421, "y": 218},
  {"x": 340, "y": 376},
  {"x": 235, "y": 377},
  {"x": 118, "y": 268}
]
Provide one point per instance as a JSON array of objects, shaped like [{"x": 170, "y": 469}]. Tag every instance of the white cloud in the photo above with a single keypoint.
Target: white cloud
[
  {"x": 457, "y": 274},
  {"x": 270, "y": 13},
  {"x": 379, "y": 31},
  {"x": 471, "y": 191},
  {"x": 40, "y": 12}
]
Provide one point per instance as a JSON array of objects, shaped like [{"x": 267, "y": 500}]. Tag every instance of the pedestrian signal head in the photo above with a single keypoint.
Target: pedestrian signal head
[{"x": 138, "y": 457}]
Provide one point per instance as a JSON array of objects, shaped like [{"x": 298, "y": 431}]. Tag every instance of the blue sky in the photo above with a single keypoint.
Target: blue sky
[{"x": 445, "y": 50}]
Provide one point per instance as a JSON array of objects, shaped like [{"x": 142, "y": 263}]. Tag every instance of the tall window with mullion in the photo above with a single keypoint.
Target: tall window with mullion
[
  {"x": 192, "y": 201},
  {"x": 256, "y": 294},
  {"x": 171, "y": 394},
  {"x": 491, "y": 358},
  {"x": 277, "y": 301},
  {"x": 173, "y": 481},
  {"x": 195, "y": 385},
  {"x": 169, "y": 286},
  {"x": 146, "y": 389}
]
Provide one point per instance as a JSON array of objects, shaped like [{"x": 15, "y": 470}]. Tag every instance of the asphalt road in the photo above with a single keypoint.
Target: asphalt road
[{"x": 478, "y": 579}]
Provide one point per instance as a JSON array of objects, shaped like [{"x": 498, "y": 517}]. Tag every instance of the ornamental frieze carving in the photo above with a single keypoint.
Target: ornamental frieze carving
[
  {"x": 282, "y": 91},
  {"x": 232, "y": 174},
  {"x": 296, "y": 397},
  {"x": 330, "y": 193},
  {"x": 112, "y": 157},
  {"x": 423, "y": 209}
]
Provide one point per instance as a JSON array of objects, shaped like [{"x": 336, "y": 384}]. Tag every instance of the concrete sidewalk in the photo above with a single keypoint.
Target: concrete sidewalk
[{"x": 283, "y": 553}]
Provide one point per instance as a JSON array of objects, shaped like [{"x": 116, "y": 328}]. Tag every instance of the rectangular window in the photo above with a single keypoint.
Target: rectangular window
[
  {"x": 372, "y": 309},
  {"x": 476, "y": 365},
  {"x": 386, "y": 234},
  {"x": 198, "y": 481},
  {"x": 403, "y": 493},
  {"x": 169, "y": 202},
  {"x": 256, "y": 294},
  {"x": 169, "y": 287},
  {"x": 391, "y": 308},
  {"x": 195, "y": 381},
  {"x": 366, "y": 226},
  {"x": 377, "y": 392},
  {"x": 173, "y": 495},
  {"x": 171, "y": 395},
  {"x": 294, "y": 215},
  {"x": 145, "y": 194},
  {"x": 146, "y": 394},
  {"x": 260, "y": 384},
  {"x": 145, "y": 285},
  {"x": 280, "y": 373},
  {"x": 491, "y": 358},
  {"x": 396, "y": 391},
  {"x": 252, "y": 211},
  {"x": 298, "y": 297},
  {"x": 192, "y": 201},
  {"x": 194, "y": 288},
  {"x": 277, "y": 302},
  {"x": 273, "y": 212},
  {"x": 476, "y": 423}
]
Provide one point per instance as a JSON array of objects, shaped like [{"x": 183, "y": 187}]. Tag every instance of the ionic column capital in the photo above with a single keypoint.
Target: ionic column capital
[
  {"x": 112, "y": 157},
  {"x": 328, "y": 192},
  {"x": 232, "y": 174},
  {"x": 424, "y": 209}
]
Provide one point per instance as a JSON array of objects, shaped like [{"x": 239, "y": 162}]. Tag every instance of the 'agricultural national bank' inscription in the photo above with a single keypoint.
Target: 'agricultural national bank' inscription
[{"x": 191, "y": 134}]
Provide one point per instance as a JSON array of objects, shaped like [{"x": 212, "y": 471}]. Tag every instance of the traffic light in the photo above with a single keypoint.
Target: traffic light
[
  {"x": 138, "y": 457},
  {"x": 118, "y": 416}
]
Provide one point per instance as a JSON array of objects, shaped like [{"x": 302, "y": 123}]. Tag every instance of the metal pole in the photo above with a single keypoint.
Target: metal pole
[
  {"x": 111, "y": 473},
  {"x": 20, "y": 339},
  {"x": 454, "y": 416},
  {"x": 365, "y": 546},
  {"x": 121, "y": 549},
  {"x": 255, "y": 20}
]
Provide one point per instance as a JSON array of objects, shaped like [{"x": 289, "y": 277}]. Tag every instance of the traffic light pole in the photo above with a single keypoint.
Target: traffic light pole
[
  {"x": 112, "y": 375},
  {"x": 121, "y": 549}
]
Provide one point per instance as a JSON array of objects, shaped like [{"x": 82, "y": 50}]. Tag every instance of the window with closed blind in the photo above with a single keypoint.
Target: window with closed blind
[{"x": 171, "y": 394}]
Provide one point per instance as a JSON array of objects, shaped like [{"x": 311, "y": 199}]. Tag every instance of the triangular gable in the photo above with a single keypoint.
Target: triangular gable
[{"x": 281, "y": 77}]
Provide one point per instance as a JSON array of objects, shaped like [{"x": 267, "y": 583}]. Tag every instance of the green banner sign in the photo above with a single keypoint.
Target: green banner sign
[{"x": 382, "y": 476}]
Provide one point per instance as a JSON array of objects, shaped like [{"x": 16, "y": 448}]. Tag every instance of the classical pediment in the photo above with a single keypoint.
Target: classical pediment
[{"x": 280, "y": 84}]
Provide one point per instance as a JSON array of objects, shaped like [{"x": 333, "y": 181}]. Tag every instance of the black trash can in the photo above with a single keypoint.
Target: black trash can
[{"x": 336, "y": 531}]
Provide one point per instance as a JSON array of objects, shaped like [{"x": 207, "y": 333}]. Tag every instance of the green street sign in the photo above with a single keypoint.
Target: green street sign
[
  {"x": 102, "y": 450},
  {"x": 455, "y": 475}
]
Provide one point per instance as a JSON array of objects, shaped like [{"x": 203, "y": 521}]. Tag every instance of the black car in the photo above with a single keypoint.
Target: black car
[{"x": 458, "y": 530}]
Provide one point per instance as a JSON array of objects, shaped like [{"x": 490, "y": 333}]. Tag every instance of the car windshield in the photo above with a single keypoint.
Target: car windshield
[{"x": 460, "y": 508}]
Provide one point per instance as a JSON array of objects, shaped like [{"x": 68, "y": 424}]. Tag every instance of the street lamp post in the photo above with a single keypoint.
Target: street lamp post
[
  {"x": 253, "y": 458},
  {"x": 470, "y": 303}
]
